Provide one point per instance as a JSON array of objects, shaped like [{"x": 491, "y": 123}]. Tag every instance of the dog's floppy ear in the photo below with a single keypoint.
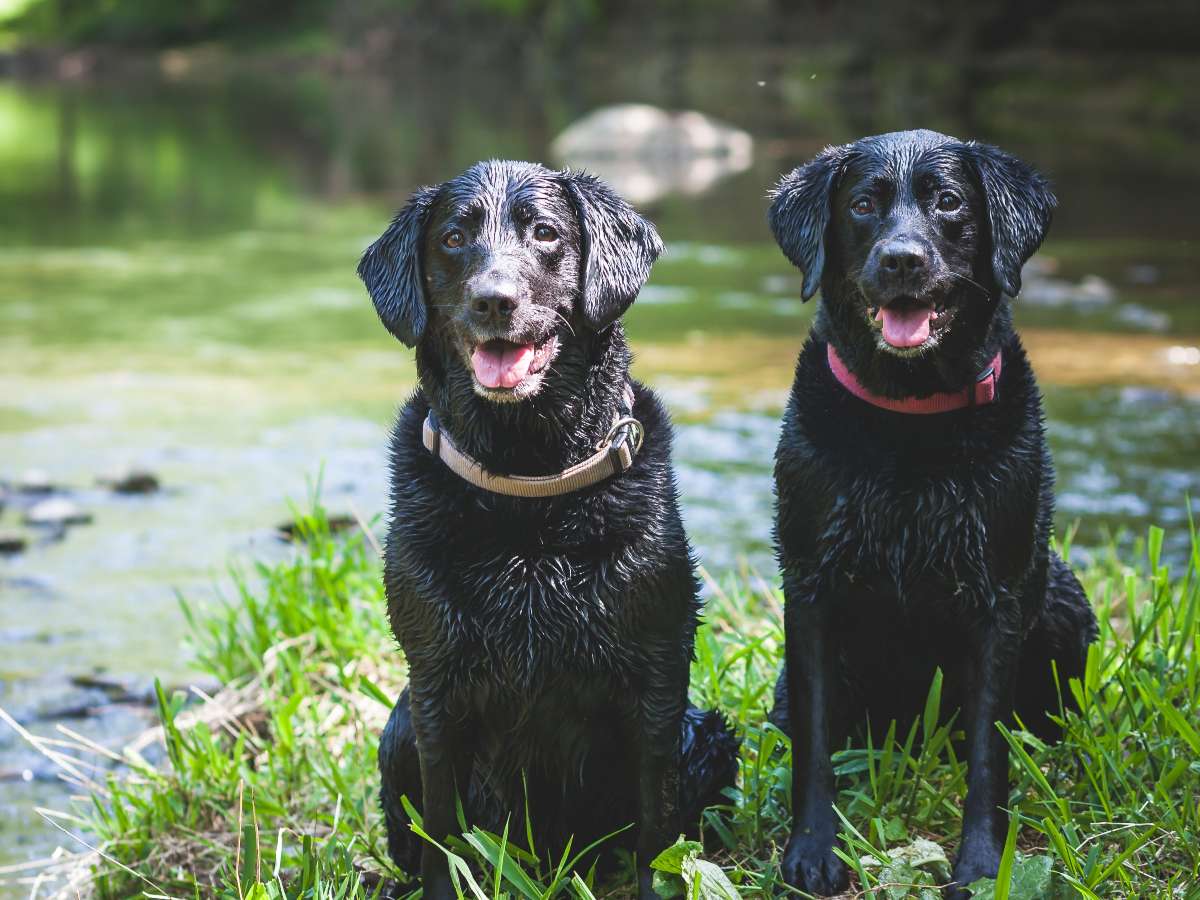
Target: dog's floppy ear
[
  {"x": 1020, "y": 205},
  {"x": 391, "y": 269},
  {"x": 617, "y": 247},
  {"x": 799, "y": 214}
]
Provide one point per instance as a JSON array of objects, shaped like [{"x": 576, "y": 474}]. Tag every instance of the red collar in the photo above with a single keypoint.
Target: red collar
[{"x": 984, "y": 391}]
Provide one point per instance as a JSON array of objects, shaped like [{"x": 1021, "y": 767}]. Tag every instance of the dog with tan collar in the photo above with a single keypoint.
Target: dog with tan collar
[{"x": 538, "y": 576}]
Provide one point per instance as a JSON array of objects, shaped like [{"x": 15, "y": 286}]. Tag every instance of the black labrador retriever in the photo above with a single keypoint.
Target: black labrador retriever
[
  {"x": 538, "y": 576},
  {"x": 915, "y": 489}
]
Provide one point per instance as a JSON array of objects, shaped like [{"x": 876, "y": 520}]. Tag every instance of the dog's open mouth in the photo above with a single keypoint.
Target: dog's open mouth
[
  {"x": 500, "y": 364},
  {"x": 907, "y": 322}
]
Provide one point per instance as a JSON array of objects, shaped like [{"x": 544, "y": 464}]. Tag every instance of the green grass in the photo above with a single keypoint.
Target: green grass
[{"x": 270, "y": 789}]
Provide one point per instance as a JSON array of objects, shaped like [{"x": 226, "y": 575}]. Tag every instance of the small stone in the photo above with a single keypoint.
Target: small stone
[
  {"x": 26, "y": 775},
  {"x": 57, "y": 511},
  {"x": 132, "y": 481},
  {"x": 1095, "y": 289},
  {"x": 34, "y": 481},
  {"x": 12, "y": 542},
  {"x": 1143, "y": 273}
]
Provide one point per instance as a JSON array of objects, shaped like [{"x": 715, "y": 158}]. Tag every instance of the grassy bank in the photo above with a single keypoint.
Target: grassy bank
[{"x": 268, "y": 789}]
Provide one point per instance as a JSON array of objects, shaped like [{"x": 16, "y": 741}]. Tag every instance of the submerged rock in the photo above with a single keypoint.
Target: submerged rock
[
  {"x": 646, "y": 152},
  {"x": 12, "y": 542},
  {"x": 131, "y": 481},
  {"x": 1143, "y": 273},
  {"x": 57, "y": 512},
  {"x": 1042, "y": 289},
  {"x": 118, "y": 688},
  {"x": 34, "y": 481}
]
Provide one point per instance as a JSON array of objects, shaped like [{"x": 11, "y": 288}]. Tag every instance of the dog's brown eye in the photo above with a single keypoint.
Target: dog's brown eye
[
  {"x": 545, "y": 233},
  {"x": 948, "y": 202},
  {"x": 454, "y": 239},
  {"x": 863, "y": 205}
]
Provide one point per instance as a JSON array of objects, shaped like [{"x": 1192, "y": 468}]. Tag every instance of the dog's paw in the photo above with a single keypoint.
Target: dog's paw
[
  {"x": 972, "y": 866},
  {"x": 810, "y": 864}
]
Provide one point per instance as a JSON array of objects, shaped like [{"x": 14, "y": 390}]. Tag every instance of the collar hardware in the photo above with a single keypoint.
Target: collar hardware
[{"x": 634, "y": 426}]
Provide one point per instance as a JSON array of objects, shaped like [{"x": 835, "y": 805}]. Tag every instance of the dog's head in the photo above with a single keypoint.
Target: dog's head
[
  {"x": 506, "y": 263},
  {"x": 914, "y": 236}
]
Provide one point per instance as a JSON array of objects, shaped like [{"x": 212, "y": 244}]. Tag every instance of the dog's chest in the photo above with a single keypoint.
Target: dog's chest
[
  {"x": 558, "y": 721},
  {"x": 949, "y": 532},
  {"x": 929, "y": 538},
  {"x": 515, "y": 604}
]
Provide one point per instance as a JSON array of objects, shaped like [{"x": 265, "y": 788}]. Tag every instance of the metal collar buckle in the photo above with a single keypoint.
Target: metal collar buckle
[{"x": 639, "y": 433}]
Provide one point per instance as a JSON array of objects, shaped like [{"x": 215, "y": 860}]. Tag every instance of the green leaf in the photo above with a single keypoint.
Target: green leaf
[
  {"x": 1004, "y": 877},
  {"x": 491, "y": 849},
  {"x": 698, "y": 878},
  {"x": 582, "y": 891},
  {"x": 933, "y": 705},
  {"x": 900, "y": 879},
  {"x": 374, "y": 691},
  {"x": 919, "y": 854},
  {"x": 671, "y": 859},
  {"x": 1031, "y": 880},
  {"x": 707, "y": 881},
  {"x": 667, "y": 885}
]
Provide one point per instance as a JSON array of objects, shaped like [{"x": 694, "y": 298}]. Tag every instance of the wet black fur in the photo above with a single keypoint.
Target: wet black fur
[
  {"x": 548, "y": 640},
  {"x": 909, "y": 542}
]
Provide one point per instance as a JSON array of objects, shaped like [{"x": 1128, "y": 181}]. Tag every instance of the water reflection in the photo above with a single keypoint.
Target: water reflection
[{"x": 647, "y": 153}]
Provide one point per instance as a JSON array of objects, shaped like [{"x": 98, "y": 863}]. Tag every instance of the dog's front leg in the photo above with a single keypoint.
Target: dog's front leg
[
  {"x": 992, "y": 652},
  {"x": 809, "y": 862},
  {"x": 446, "y": 760},
  {"x": 659, "y": 720}
]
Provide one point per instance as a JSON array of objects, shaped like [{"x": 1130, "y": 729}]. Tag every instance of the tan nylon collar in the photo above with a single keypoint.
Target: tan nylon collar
[{"x": 615, "y": 454}]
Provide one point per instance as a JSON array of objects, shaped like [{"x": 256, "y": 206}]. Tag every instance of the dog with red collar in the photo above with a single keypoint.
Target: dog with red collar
[{"x": 915, "y": 487}]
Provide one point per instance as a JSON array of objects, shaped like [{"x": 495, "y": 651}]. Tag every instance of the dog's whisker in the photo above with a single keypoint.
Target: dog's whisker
[
  {"x": 566, "y": 323},
  {"x": 972, "y": 282}
]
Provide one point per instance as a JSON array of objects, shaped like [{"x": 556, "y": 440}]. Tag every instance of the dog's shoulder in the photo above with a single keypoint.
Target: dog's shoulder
[
  {"x": 651, "y": 413},
  {"x": 409, "y": 461}
]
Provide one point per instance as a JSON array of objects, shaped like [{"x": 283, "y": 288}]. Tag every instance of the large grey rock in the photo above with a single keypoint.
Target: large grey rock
[{"x": 646, "y": 152}]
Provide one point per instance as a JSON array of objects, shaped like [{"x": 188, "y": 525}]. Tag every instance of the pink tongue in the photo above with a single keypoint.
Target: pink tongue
[
  {"x": 905, "y": 327},
  {"x": 501, "y": 364}
]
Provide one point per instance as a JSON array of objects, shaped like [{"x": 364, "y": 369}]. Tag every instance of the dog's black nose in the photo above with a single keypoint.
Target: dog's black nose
[
  {"x": 493, "y": 306},
  {"x": 902, "y": 258},
  {"x": 492, "y": 297}
]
